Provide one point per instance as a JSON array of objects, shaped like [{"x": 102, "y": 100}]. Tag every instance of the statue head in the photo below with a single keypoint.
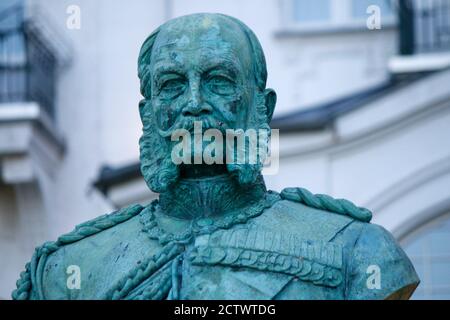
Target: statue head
[{"x": 201, "y": 67}]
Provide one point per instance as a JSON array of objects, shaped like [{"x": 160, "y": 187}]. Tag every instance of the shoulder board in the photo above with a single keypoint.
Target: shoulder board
[
  {"x": 81, "y": 231},
  {"x": 325, "y": 202}
]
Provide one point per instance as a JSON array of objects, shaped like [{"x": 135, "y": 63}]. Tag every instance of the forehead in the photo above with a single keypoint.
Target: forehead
[{"x": 199, "y": 41}]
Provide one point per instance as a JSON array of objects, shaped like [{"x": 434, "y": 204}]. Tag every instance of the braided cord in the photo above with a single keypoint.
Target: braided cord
[
  {"x": 325, "y": 202},
  {"x": 123, "y": 287},
  {"x": 81, "y": 231}
]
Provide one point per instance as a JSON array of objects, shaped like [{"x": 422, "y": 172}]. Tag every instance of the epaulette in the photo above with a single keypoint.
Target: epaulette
[
  {"x": 325, "y": 202},
  {"x": 81, "y": 231}
]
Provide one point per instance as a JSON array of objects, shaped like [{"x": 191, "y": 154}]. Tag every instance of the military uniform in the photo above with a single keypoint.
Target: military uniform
[{"x": 285, "y": 246}]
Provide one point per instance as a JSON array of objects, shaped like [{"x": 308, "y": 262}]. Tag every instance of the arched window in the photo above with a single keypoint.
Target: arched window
[{"x": 429, "y": 249}]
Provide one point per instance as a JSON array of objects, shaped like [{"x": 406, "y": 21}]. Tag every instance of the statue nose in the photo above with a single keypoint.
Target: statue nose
[
  {"x": 202, "y": 109},
  {"x": 196, "y": 106}
]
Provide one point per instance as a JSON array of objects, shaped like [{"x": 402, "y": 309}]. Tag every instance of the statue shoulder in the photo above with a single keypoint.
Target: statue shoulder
[
  {"x": 379, "y": 267},
  {"x": 312, "y": 217},
  {"x": 326, "y": 203},
  {"x": 47, "y": 256}
]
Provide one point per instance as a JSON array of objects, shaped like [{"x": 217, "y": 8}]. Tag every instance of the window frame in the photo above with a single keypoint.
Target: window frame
[
  {"x": 427, "y": 289},
  {"x": 341, "y": 19}
]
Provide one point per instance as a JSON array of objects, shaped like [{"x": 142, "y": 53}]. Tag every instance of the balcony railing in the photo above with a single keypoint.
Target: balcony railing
[
  {"x": 27, "y": 64},
  {"x": 424, "y": 26}
]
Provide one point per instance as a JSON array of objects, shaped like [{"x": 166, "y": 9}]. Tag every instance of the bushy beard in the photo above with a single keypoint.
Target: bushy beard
[
  {"x": 157, "y": 166},
  {"x": 248, "y": 173}
]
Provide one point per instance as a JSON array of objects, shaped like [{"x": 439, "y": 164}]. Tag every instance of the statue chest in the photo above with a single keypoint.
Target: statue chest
[
  {"x": 248, "y": 263},
  {"x": 281, "y": 254}
]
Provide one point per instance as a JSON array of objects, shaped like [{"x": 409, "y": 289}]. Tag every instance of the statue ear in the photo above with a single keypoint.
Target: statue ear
[
  {"x": 270, "y": 100},
  {"x": 144, "y": 106}
]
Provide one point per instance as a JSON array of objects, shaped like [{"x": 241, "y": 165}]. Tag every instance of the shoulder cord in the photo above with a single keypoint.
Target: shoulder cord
[
  {"x": 158, "y": 287},
  {"x": 325, "y": 202},
  {"x": 81, "y": 231}
]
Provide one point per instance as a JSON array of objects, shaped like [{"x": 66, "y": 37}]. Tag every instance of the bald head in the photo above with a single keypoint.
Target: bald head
[{"x": 216, "y": 31}]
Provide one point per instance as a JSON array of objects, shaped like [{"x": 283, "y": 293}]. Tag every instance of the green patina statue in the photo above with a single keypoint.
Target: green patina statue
[{"x": 216, "y": 232}]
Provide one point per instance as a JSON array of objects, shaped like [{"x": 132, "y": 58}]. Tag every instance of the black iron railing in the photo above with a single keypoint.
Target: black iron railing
[
  {"x": 27, "y": 65},
  {"x": 424, "y": 26}
]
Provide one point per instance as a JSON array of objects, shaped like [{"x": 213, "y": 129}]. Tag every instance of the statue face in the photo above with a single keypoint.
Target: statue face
[
  {"x": 206, "y": 68},
  {"x": 201, "y": 71}
]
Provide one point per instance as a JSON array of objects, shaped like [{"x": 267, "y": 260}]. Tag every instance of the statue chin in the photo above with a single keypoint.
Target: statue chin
[
  {"x": 194, "y": 171},
  {"x": 244, "y": 174}
]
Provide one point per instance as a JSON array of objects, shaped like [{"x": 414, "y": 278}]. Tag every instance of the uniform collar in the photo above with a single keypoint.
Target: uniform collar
[{"x": 209, "y": 197}]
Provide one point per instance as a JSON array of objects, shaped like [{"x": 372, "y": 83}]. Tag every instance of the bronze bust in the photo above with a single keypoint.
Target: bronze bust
[{"x": 216, "y": 232}]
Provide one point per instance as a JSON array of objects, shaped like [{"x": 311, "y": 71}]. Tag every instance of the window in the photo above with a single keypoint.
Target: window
[
  {"x": 429, "y": 250},
  {"x": 308, "y": 11},
  {"x": 27, "y": 60},
  {"x": 8, "y": 20},
  {"x": 359, "y": 8},
  {"x": 13, "y": 54},
  {"x": 302, "y": 14}
]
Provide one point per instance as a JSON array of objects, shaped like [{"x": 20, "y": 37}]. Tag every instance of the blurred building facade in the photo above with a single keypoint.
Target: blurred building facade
[{"x": 363, "y": 111}]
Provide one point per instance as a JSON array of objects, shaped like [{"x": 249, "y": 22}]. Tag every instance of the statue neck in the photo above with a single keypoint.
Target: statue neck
[{"x": 192, "y": 198}]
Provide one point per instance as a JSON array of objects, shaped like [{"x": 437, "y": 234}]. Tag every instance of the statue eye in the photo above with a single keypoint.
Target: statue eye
[
  {"x": 220, "y": 85},
  {"x": 173, "y": 87}
]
